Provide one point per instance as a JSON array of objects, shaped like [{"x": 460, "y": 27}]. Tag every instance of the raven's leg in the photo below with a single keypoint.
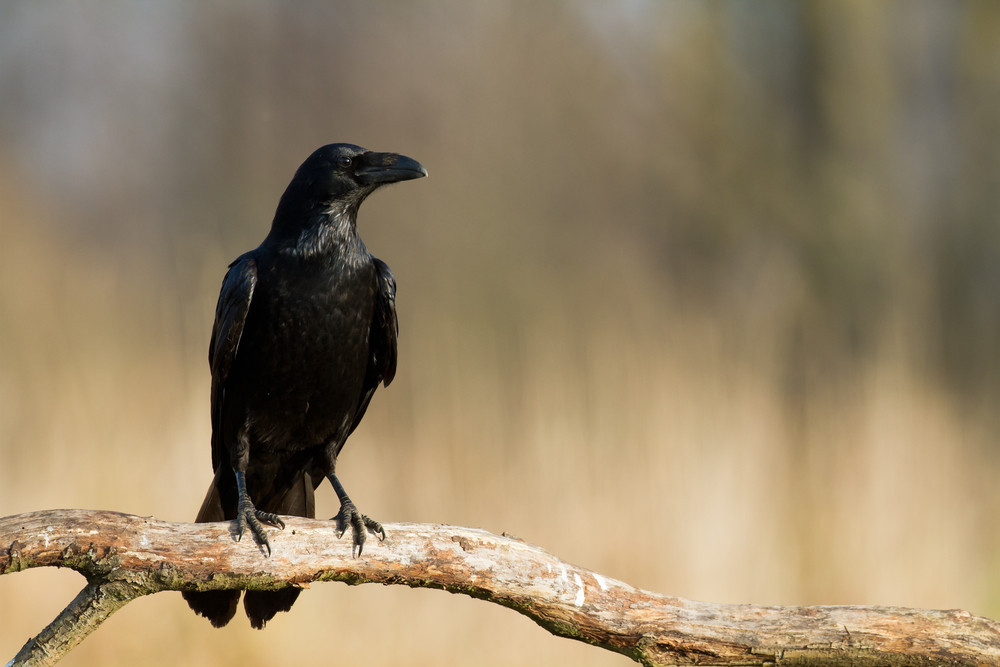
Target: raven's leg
[
  {"x": 246, "y": 513},
  {"x": 349, "y": 514}
]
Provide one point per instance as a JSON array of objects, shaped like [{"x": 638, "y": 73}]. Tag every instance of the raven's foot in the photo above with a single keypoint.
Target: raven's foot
[
  {"x": 349, "y": 514},
  {"x": 248, "y": 515},
  {"x": 360, "y": 524}
]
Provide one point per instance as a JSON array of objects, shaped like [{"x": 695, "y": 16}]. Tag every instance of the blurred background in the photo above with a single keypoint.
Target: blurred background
[{"x": 702, "y": 296}]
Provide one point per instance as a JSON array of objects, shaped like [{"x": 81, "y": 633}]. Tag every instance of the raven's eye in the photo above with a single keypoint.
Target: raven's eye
[{"x": 344, "y": 162}]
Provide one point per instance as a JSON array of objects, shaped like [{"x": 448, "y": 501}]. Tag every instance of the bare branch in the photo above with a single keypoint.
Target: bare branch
[{"x": 125, "y": 556}]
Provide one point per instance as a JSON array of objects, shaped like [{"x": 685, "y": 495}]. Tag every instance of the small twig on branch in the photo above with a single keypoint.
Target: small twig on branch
[{"x": 124, "y": 557}]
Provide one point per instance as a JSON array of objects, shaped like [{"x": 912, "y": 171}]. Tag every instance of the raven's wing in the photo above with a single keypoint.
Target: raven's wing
[
  {"x": 381, "y": 339},
  {"x": 230, "y": 316}
]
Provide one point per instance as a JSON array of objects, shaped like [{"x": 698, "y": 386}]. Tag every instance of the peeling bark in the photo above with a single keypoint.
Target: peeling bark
[{"x": 124, "y": 557}]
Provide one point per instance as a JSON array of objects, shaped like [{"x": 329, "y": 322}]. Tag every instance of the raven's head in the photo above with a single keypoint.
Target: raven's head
[
  {"x": 334, "y": 180},
  {"x": 344, "y": 174}
]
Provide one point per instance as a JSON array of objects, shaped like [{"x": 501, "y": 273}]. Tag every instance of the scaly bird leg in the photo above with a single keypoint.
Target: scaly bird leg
[
  {"x": 349, "y": 514},
  {"x": 248, "y": 515}
]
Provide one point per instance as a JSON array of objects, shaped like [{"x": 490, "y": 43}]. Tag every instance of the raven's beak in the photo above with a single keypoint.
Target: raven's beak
[{"x": 381, "y": 168}]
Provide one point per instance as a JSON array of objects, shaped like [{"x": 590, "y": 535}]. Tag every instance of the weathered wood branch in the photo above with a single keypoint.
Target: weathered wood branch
[{"x": 124, "y": 557}]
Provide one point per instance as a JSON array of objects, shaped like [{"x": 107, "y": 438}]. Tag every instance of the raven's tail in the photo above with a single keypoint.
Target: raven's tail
[{"x": 219, "y": 607}]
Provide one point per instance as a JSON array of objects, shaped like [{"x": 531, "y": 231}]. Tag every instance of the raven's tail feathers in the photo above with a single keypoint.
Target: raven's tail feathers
[
  {"x": 219, "y": 607},
  {"x": 261, "y": 606}
]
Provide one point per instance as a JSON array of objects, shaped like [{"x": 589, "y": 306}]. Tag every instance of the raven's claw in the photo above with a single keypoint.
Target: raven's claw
[
  {"x": 248, "y": 515},
  {"x": 349, "y": 514},
  {"x": 360, "y": 524}
]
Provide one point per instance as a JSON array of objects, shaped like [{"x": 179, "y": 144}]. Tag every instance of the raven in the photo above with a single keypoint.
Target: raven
[{"x": 305, "y": 330}]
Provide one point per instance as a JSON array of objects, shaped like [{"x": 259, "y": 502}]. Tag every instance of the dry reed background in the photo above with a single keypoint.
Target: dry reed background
[{"x": 702, "y": 296}]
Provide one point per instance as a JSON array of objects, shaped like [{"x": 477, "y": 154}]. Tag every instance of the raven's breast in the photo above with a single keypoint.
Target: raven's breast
[{"x": 304, "y": 355}]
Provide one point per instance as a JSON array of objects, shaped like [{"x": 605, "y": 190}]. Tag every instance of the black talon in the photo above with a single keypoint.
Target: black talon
[
  {"x": 341, "y": 519},
  {"x": 374, "y": 527}
]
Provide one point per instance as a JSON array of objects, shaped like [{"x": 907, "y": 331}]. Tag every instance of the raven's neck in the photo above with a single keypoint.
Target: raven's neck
[{"x": 324, "y": 234}]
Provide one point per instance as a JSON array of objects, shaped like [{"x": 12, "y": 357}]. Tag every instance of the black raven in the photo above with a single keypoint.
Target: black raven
[{"x": 305, "y": 330}]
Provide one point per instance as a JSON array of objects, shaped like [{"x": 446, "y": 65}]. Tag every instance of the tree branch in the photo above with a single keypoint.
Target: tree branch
[{"x": 124, "y": 557}]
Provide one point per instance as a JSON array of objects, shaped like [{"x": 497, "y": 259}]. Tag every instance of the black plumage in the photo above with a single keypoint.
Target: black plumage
[{"x": 305, "y": 330}]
